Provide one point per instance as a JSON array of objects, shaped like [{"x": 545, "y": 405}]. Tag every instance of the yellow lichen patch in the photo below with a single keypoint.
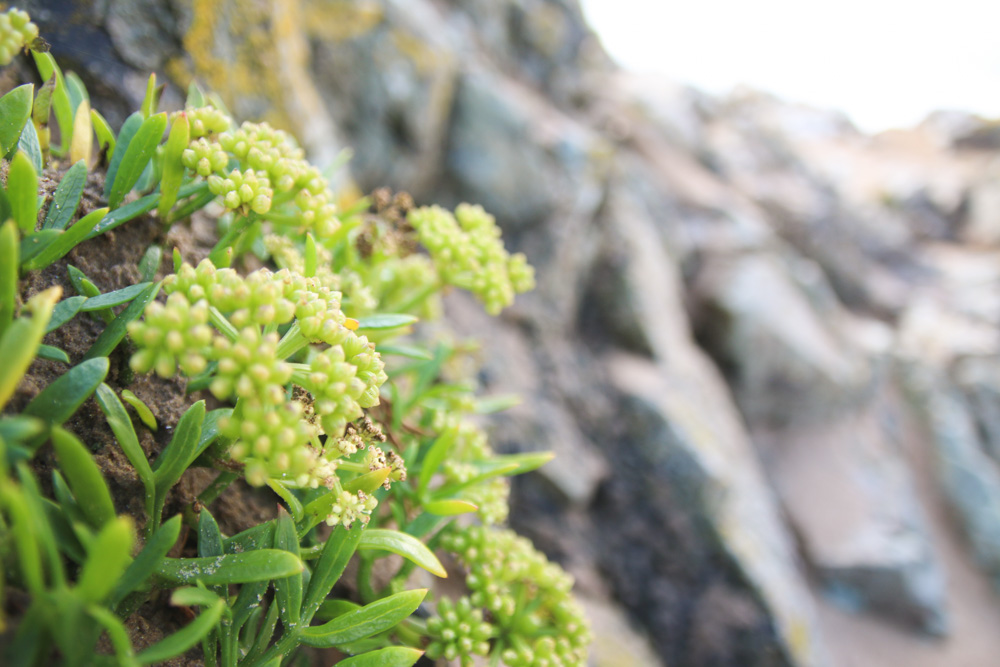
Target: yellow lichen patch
[
  {"x": 337, "y": 20},
  {"x": 424, "y": 57}
]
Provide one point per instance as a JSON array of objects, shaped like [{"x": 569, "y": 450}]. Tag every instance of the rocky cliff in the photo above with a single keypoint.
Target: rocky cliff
[{"x": 764, "y": 346}]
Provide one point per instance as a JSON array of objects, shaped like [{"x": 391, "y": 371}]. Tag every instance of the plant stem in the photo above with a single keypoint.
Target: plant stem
[{"x": 218, "y": 485}]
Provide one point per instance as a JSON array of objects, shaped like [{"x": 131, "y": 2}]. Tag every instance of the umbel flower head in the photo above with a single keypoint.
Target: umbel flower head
[
  {"x": 223, "y": 325},
  {"x": 468, "y": 253},
  {"x": 16, "y": 32},
  {"x": 525, "y": 597}
]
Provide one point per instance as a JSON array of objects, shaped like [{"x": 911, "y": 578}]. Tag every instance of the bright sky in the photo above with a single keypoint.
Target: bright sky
[{"x": 887, "y": 63}]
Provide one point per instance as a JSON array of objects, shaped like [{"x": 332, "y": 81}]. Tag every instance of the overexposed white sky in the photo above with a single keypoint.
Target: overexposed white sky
[{"x": 887, "y": 63}]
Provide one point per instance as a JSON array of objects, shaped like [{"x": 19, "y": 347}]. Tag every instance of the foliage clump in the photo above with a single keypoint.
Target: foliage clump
[{"x": 303, "y": 376}]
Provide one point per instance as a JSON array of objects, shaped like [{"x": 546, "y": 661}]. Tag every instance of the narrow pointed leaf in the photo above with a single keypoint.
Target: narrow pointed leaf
[
  {"x": 435, "y": 457},
  {"x": 84, "y": 478},
  {"x": 368, "y": 482},
  {"x": 34, "y": 245},
  {"x": 173, "y": 168},
  {"x": 64, "y": 311},
  {"x": 32, "y": 146},
  {"x": 57, "y": 402},
  {"x": 66, "y": 197},
  {"x": 337, "y": 551},
  {"x": 125, "y": 136},
  {"x": 20, "y": 341},
  {"x": 136, "y": 157},
  {"x": 62, "y": 106},
  {"x": 106, "y": 560},
  {"x": 385, "y": 321},
  {"x": 121, "y": 425},
  {"x": 408, "y": 351},
  {"x": 83, "y": 135},
  {"x": 142, "y": 205},
  {"x": 116, "y": 298},
  {"x": 15, "y": 109},
  {"x": 182, "y": 450},
  {"x": 360, "y": 623},
  {"x": 209, "y": 535},
  {"x": 8, "y": 273},
  {"x": 450, "y": 507},
  {"x": 260, "y": 565},
  {"x": 115, "y": 331},
  {"x": 53, "y": 354},
  {"x": 405, "y": 545},
  {"x": 103, "y": 131},
  {"x": 288, "y": 590},
  {"x": 179, "y": 642},
  {"x": 141, "y": 409},
  {"x": 393, "y": 656},
  {"x": 147, "y": 561},
  {"x": 116, "y": 633},
  {"x": 22, "y": 192},
  {"x": 66, "y": 241}
]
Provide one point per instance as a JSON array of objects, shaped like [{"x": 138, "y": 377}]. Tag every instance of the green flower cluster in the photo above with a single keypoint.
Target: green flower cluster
[
  {"x": 204, "y": 158},
  {"x": 275, "y": 431},
  {"x": 458, "y": 632},
  {"x": 207, "y": 121},
  {"x": 244, "y": 190},
  {"x": 468, "y": 253},
  {"x": 16, "y": 32},
  {"x": 350, "y": 507},
  {"x": 528, "y": 599}
]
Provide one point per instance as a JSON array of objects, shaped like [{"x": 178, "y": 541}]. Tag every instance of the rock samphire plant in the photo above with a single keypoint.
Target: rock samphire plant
[{"x": 281, "y": 359}]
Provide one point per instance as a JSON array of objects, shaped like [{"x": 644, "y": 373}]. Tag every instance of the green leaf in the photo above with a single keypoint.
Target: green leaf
[
  {"x": 337, "y": 551},
  {"x": 17, "y": 428},
  {"x": 260, "y": 536},
  {"x": 9, "y": 252},
  {"x": 53, "y": 353},
  {"x": 141, "y": 409},
  {"x": 435, "y": 456},
  {"x": 408, "y": 351},
  {"x": 173, "y": 168},
  {"x": 22, "y": 530},
  {"x": 105, "y": 135},
  {"x": 84, "y": 478},
  {"x": 116, "y": 298},
  {"x": 373, "y": 618},
  {"x": 57, "y": 402},
  {"x": 22, "y": 192},
  {"x": 15, "y": 109},
  {"x": 76, "y": 90},
  {"x": 368, "y": 482},
  {"x": 150, "y": 101},
  {"x": 209, "y": 535},
  {"x": 179, "y": 642},
  {"x": 129, "y": 129},
  {"x": 34, "y": 245},
  {"x": 83, "y": 134},
  {"x": 147, "y": 561},
  {"x": 393, "y": 656},
  {"x": 450, "y": 507},
  {"x": 182, "y": 450},
  {"x": 66, "y": 197},
  {"x": 525, "y": 462},
  {"x": 20, "y": 341},
  {"x": 385, "y": 321},
  {"x": 31, "y": 146},
  {"x": 404, "y": 545},
  {"x": 294, "y": 504},
  {"x": 192, "y": 595},
  {"x": 150, "y": 262},
  {"x": 106, "y": 560},
  {"x": 115, "y": 332},
  {"x": 61, "y": 104},
  {"x": 66, "y": 241},
  {"x": 121, "y": 425},
  {"x": 288, "y": 591},
  {"x": 136, "y": 157},
  {"x": 64, "y": 311},
  {"x": 260, "y": 565},
  {"x": 142, "y": 205}
]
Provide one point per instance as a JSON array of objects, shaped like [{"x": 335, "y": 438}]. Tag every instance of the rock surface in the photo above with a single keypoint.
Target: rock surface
[{"x": 763, "y": 344}]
